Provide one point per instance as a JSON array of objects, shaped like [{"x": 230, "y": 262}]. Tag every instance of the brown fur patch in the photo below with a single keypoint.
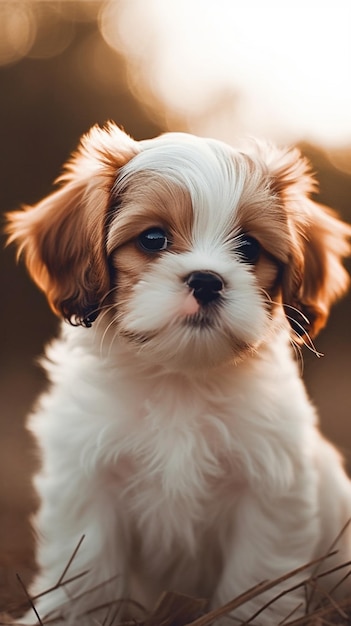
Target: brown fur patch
[
  {"x": 62, "y": 237},
  {"x": 151, "y": 200},
  {"x": 262, "y": 216},
  {"x": 267, "y": 272}
]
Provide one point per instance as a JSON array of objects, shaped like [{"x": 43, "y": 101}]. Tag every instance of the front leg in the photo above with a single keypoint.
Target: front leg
[
  {"x": 73, "y": 507},
  {"x": 271, "y": 536}
]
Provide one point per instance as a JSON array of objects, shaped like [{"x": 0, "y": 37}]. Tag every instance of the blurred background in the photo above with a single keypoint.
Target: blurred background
[{"x": 225, "y": 68}]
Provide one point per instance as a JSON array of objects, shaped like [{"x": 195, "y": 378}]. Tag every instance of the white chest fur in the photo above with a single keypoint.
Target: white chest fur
[{"x": 178, "y": 441}]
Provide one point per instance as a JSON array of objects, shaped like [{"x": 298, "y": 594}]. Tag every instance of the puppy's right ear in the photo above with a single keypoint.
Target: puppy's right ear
[
  {"x": 315, "y": 276},
  {"x": 62, "y": 238}
]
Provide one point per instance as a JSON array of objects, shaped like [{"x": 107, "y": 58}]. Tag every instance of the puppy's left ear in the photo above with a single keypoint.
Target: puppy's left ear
[
  {"x": 314, "y": 278},
  {"x": 62, "y": 238}
]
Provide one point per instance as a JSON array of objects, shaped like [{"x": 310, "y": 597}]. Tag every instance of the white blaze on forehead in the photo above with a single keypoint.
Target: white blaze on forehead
[{"x": 213, "y": 173}]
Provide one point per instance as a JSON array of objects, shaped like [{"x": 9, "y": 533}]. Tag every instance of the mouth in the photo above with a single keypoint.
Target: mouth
[
  {"x": 205, "y": 318},
  {"x": 199, "y": 340},
  {"x": 136, "y": 338}
]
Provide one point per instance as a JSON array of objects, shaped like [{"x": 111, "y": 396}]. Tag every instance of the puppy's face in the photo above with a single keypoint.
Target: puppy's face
[
  {"x": 192, "y": 246},
  {"x": 195, "y": 248}
]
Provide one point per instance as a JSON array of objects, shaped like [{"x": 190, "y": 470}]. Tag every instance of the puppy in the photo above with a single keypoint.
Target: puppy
[{"x": 176, "y": 435}]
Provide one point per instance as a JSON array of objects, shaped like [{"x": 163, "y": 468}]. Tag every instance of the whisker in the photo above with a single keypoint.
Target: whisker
[
  {"x": 267, "y": 296},
  {"x": 293, "y": 308},
  {"x": 100, "y": 325},
  {"x": 298, "y": 354},
  {"x": 95, "y": 312},
  {"x": 112, "y": 342},
  {"x": 104, "y": 310},
  {"x": 286, "y": 306},
  {"x": 112, "y": 322},
  {"x": 109, "y": 292},
  {"x": 309, "y": 343}
]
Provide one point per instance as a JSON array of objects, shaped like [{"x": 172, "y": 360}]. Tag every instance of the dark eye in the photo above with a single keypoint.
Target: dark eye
[
  {"x": 153, "y": 240},
  {"x": 249, "y": 249}
]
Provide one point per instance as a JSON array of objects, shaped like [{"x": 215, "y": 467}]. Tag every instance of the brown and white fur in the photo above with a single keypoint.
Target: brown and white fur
[{"x": 176, "y": 434}]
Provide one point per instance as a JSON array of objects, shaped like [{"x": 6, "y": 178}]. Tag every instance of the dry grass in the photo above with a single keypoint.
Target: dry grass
[{"x": 175, "y": 609}]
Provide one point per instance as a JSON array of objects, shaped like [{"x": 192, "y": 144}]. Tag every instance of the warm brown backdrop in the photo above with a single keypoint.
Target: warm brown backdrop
[{"x": 46, "y": 103}]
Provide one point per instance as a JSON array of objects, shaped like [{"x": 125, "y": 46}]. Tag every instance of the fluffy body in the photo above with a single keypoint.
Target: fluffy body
[{"x": 176, "y": 434}]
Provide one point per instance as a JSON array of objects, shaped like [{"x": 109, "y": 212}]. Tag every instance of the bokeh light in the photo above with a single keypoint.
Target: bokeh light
[
  {"x": 17, "y": 31},
  {"x": 217, "y": 67},
  {"x": 40, "y": 29},
  {"x": 53, "y": 35},
  {"x": 271, "y": 68}
]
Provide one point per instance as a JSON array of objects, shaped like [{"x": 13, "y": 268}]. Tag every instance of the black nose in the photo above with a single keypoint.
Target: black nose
[{"x": 205, "y": 285}]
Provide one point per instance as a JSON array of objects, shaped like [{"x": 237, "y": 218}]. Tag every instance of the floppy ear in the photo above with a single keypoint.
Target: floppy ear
[
  {"x": 315, "y": 277},
  {"x": 62, "y": 237}
]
